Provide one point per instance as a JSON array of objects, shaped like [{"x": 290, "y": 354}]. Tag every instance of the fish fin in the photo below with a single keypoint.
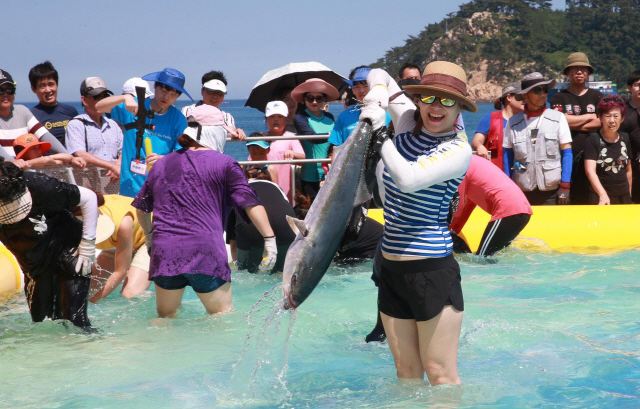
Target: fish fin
[
  {"x": 363, "y": 193},
  {"x": 297, "y": 226}
]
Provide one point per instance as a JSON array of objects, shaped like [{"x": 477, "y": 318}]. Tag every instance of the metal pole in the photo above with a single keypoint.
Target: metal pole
[{"x": 280, "y": 138}]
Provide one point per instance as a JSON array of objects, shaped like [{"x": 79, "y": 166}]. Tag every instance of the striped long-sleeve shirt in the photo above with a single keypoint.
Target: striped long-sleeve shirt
[
  {"x": 20, "y": 122},
  {"x": 416, "y": 222}
]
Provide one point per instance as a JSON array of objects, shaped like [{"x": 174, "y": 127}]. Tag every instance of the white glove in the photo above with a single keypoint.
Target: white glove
[
  {"x": 86, "y": 256},
  {"x": 378, "y": 95},
  {"x": 375, "y": 114},
  {"x": 269, "y": 255}
]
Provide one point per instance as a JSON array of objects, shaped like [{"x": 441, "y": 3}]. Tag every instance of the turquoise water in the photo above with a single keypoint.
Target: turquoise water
[{"x": 540, "y": 330}]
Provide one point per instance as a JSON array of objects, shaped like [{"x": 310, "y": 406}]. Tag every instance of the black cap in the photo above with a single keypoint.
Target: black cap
[{"x": 5, "y": 78}]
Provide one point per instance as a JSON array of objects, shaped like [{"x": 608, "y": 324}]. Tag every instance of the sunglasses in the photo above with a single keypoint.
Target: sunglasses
[
  {"x": 8, "y": 91},
  {"x": 539, "y": 90},
  {"x": 612, "y": 99},
  {"x": 311, "y": 98},
  {"x": 100, "y": 96},
  {"x": 168, "y": 89},
  {"x": 430, "y": 99}
]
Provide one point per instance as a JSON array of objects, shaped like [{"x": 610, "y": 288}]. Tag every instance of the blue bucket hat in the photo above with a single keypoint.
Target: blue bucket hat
[
  {"x": 262, "y": 144},
  {"x": 359, "y": 75},
  {"x": 170, "y": 77}
]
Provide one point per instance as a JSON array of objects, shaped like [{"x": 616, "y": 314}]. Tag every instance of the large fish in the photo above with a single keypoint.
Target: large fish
[{"x": 319, "y": 235}]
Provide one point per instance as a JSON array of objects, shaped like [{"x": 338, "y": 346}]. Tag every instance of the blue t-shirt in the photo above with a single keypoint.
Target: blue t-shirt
[
  {"x": 55, "y": 118},
  {"x": 485, "y": 124},
  {"x": 164, "y": 140},
  {"x": 346, "y": 123}
]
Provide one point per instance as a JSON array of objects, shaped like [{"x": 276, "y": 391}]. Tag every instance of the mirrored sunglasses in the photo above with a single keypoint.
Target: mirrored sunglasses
[{"x": 430, "y": 99}]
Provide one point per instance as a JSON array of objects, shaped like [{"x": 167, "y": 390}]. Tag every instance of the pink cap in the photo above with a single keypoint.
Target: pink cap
[{"x": 208, "y": 115}]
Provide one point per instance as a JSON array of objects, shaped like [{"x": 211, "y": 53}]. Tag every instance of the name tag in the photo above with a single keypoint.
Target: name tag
[{"x": 139, "y": 168}]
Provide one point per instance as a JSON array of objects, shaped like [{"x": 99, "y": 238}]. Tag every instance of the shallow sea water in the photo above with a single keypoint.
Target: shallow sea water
[{"x": 540, "y": 330}]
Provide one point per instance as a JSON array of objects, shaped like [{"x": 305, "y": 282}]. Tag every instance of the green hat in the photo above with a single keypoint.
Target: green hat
[{"x": 578, "y": 60}]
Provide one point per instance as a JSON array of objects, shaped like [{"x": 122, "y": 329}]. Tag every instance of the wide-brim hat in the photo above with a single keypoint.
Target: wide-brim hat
[
  {"x": 105, "y": 229},
  {"x": 530, "y": 81},
  {"x": 23, "y": 143},
  {"x": 315, "y": 85},
  {"x": 577, "y": 60},
  {"x": 170, "y": 77},
  {"x": 444, "y": 79},
  {"x": 510, "y": 88}
]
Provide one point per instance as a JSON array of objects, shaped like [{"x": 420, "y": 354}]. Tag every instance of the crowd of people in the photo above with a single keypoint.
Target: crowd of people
[{"x": 179, "y": 195}]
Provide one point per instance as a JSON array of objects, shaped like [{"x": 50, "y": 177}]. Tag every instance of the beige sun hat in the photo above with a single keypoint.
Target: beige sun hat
[
  {"x": 106, "y": 227},
  {"x": 444, "y": 79},
  {"x": 578, "y": 60}
]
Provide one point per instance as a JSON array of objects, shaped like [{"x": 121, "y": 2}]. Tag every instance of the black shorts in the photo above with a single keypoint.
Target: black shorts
[{"x": 419, "y": 289}]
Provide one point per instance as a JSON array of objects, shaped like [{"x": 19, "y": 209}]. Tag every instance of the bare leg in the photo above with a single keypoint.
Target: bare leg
[
  {"x": 217, "y": 301},
  {"x": 439, "y": 338},
  {"x": 136, "y": 282},
  {"x": 168, "y": 302},
  {"x": 402, "y": 336}
]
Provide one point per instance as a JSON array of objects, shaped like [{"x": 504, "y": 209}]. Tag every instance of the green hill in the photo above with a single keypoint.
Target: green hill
[{"x": 498, "y": 41}]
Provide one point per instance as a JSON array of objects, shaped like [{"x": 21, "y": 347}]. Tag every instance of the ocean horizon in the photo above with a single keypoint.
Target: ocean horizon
[{"x": 252, "y": 120}]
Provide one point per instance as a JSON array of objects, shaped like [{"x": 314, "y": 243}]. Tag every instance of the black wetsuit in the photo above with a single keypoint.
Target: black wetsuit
[{"x": 44, "y": 243}]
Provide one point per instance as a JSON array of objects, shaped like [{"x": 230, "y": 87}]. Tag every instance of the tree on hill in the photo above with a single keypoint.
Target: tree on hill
[{"x": 521, "y": 36}]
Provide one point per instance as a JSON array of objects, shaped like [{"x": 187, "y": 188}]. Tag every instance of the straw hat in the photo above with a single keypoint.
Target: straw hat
[
  {"x": 315, "y": 85},
  {"x": 578, "y": 60},
  {"x": 444, "y": 80},
  {"x": 106, "y": 227}
]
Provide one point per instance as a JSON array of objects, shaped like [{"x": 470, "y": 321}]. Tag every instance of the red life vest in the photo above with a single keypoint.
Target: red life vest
[{"x": 494, "y": 139}]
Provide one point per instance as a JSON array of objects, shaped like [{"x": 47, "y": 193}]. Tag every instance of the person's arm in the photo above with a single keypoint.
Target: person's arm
[
  {"x": 449, "y": 161},
  {"x": 583, "y": 123},
  {"x": 590, "y": 170},
  {"x": 258, "y": 216},
  {"x": 87, "y": 247},
  {"x": 296, "y": 151},
  {"x": 124, "y": 252},
  {"x": 382, "y": 89},
  {"x": 67, "y": 159},
  {"x": 107, "y": 104},
  {"x": 629, "y": 176},
  {"x": 301, "y": 123},
  {"x": 477, "y": 144},
  {"x": 101, "y": 163},
  {"x": 273, "y": 173},
  {"x": 56, "y": 146}
]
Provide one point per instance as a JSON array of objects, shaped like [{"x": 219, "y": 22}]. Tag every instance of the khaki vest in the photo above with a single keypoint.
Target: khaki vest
[{"x": 540, "y": 165}]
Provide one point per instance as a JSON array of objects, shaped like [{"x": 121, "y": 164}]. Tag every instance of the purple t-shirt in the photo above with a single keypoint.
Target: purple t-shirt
[{"x": 189, "y": 193}]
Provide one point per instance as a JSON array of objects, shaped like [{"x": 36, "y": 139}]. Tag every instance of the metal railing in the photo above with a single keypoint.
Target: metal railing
[{"x": 96, "y": 178}]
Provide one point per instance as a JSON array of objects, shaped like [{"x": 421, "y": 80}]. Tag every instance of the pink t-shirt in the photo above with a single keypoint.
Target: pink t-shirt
[
  {"x": 487, "y": 186},
  {"x": 278, "y": 148}
]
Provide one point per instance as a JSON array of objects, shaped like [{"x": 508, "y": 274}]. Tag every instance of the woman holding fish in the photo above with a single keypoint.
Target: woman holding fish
[{"x": 420, "y": 295}]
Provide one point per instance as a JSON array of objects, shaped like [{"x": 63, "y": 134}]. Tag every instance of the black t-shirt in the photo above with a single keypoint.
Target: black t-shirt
[
  {"x": 611, "y": 162},
  {"x": 53, "y": 202},
  {"x": 631, "y": 126},
  {"x": 568, "y": 103},
  {"x": 277, "y": 207},
  {"x": 366, "y": 242}
]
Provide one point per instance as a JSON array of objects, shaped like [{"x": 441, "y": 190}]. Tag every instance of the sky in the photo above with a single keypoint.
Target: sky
[{"x": 118, "y": 39}]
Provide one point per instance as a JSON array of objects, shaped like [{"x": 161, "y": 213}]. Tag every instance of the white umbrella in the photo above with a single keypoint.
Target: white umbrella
[{"x": 291, "y": 75}]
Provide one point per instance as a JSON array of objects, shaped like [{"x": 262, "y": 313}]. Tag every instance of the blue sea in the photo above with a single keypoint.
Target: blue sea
[{"x": 252, "y": 120}]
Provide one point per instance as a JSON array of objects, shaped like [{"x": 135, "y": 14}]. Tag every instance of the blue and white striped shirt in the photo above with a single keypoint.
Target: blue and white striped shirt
[{"x": 416, "y": 222}]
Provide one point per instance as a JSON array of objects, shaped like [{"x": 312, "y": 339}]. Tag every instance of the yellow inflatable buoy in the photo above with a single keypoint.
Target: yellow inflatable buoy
[
  {"x": 566, "y": 229},
  {"x": 10, "y": 275}
]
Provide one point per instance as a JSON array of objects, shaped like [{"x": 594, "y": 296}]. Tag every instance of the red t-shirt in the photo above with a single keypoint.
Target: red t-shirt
[{"x": 485, "y": 185}]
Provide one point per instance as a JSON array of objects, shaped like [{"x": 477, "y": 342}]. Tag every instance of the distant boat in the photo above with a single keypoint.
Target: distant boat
[{"x": 606, "y": 87}]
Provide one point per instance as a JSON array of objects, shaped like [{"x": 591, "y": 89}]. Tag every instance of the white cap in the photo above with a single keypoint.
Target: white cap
[
  {"x": 130, "y": 85},
  {"x": 276, "y": 108},
  {"x": 215, "y": 85}
]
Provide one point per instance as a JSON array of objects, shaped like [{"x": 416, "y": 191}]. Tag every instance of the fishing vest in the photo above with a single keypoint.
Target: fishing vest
[
  {"x": 494, "y": 139},
  {"x": 538, "y": 164}
]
